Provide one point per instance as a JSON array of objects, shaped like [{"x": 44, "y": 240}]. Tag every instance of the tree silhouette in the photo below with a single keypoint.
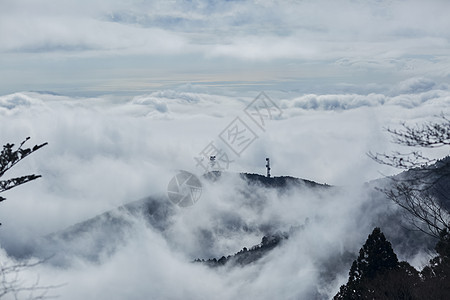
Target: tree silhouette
[
  {"x": 436, "y": 275},
  {"x": 9, "y": 157},
  {"x": 431, "y": 134},
  {"x": 10, "y": 283},
  {"x": 12, "y": 287},
  {"x": 423, "y": 190},
  {"x": 376, "y": 258}
]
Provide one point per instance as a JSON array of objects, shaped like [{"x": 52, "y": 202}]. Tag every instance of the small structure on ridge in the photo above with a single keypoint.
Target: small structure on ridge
[{"x": 268, "y": 167}]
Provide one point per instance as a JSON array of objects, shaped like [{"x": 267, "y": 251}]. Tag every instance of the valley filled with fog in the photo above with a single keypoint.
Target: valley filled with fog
[
  {"x": 149, "y": 106},
  {"x": 107, "y": 152}
]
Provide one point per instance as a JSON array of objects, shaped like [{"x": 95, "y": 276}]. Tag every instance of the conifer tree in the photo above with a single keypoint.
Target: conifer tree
[
  {"x": 436, "y": 275},
  {"x": 376, "y": 257}
]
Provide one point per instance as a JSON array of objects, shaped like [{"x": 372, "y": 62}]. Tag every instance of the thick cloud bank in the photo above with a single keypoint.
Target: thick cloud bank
[
  {"x": 107, "y": 151},
  {"x": 94, "y": 47}
]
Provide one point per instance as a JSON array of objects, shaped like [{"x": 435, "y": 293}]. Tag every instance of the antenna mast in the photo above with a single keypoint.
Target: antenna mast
[
  {"x": 268, "y": 167},
  {"x": 212, "y": 162}
]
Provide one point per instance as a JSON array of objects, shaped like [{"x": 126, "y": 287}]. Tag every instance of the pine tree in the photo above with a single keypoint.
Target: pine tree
[
  {"x": 376, "y": 257},
  {"x": 436, "y": 276}
]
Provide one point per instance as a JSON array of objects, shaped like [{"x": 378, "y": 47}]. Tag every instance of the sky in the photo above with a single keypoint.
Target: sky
[
  {"x": 126, "y": 93},
  {"x": 102, "y": 47}
]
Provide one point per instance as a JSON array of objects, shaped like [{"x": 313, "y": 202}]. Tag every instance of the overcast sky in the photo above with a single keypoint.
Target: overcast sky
[{"x": 94, "y": 47}]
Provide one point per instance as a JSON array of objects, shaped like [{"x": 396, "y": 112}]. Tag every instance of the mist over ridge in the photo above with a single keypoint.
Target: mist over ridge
[
  {"x": 105, "y": 153},
  {"x": 212, "y": 149}
]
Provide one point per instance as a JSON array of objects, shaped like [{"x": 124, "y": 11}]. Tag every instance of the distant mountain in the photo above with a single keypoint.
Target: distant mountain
[
  {"x": 433, "y": 179},
  {"x": 270, "y": 182},
  {"x": 427, "y": 181},
  {"x": 46, "y": 93},
  {"x": 248, "y": 256},
  {"x": 282, "y": 181},
  {"x": 100, "y": 236}
]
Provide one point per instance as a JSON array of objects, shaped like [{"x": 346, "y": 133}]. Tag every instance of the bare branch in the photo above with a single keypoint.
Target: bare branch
[
  {"x": 11, "y": 285},
  {"x": 422, "y": 189},
  {"x": 402, "y": 160},
  {"x": 427, "y": 135}
]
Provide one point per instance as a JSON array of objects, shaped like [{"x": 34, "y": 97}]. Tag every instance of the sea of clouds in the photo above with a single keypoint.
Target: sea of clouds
[
  {"x": 341, "y": 73},
  {"x": 106, "y": 151}
]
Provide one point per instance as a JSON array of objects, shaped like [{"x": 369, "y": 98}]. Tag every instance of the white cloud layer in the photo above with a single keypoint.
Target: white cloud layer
[
  {"x": 294, "y": 25},
  {"x": 147, "y": 43},
  {"x": 107, "y": 151},
  {"x": 137, "y": 89}
]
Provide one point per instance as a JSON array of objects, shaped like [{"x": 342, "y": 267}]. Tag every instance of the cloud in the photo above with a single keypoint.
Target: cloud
[
  {"x": 158, "y": 105},
  {"x": 410, "y": 93},
  {"x": 336, "y": 102},
  {"x": 57, "y": 34},
  {"x": 179, "y": 72},
  {"x": 415, "y": 86},
  {"x": 244, "y": 29},
  {"x": 13, "y": 101},
  {"x": 107, "y": 151},
  {"x": 98, "y": 47},
  {"x": 158, "y": 265}
]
